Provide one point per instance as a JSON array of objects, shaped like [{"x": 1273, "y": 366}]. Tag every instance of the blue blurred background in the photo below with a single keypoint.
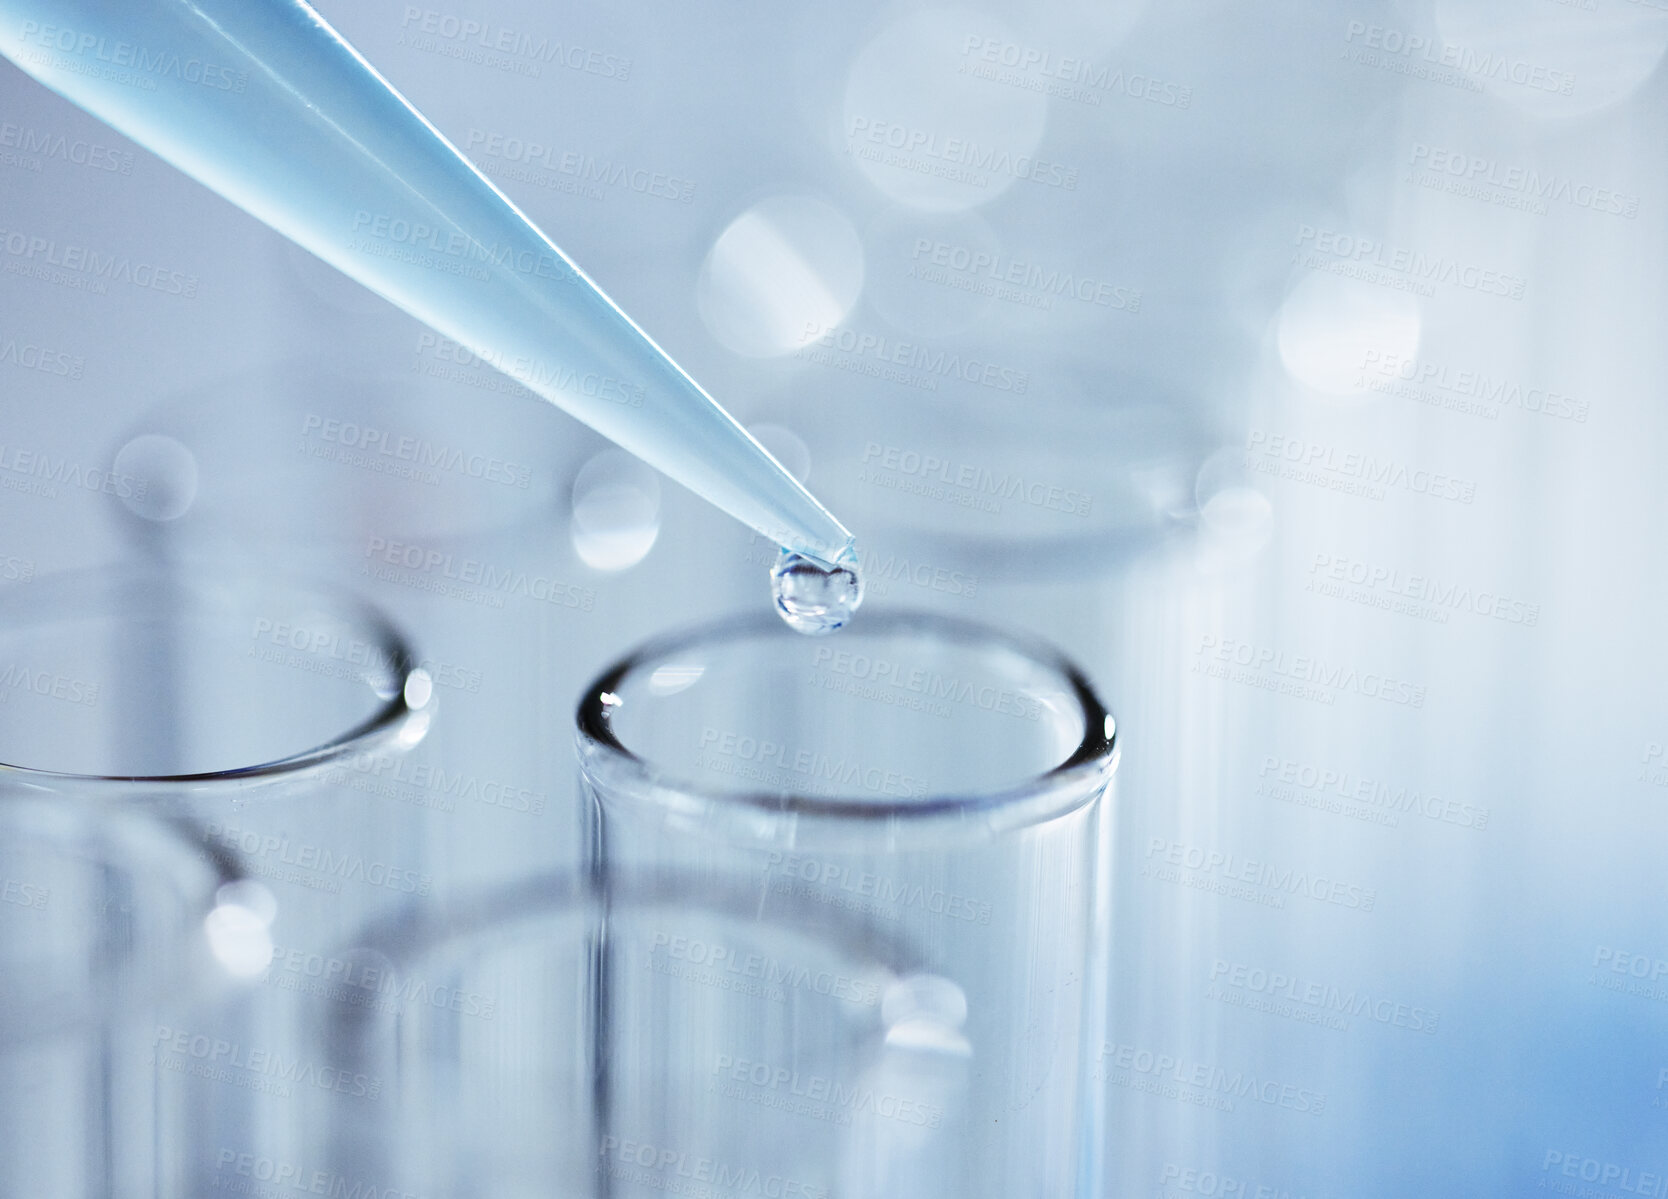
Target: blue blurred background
[{"x": 1327, "y": 340}]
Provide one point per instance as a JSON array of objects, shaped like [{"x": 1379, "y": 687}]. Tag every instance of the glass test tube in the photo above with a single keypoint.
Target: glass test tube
[
  {"x": 141, "y": 713},
  {"x": 446, "y": 506},
  {"x": 931, "y": 779},
  {"x": 113, "y": 922},
  {"x": 653, "y": 1037}
]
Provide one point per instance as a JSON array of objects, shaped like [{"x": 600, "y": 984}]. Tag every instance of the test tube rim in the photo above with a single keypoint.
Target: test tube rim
[
  {"x": 400, "y": 718},
  {"x": 1063, "y": 788}
]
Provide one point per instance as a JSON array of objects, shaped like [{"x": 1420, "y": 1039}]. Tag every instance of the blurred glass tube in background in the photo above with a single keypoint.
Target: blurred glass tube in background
[
  {"x": 930, "y": 779},
  {"x": 555, "y": 1033},
  {"x": 113, "y": 923}
]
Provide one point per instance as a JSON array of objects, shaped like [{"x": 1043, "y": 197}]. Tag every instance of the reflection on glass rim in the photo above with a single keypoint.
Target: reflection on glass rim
[
  {"x": 400, "y": 720},
  {"x": 1053, "y": 791}
]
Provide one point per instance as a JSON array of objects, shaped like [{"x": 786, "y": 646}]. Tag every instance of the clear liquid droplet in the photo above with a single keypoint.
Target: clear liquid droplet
[{"x": 813, "y": 598}]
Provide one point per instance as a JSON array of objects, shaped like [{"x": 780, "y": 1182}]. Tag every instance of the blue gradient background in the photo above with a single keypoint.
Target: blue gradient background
[{"x": 1305, "y": 128}]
